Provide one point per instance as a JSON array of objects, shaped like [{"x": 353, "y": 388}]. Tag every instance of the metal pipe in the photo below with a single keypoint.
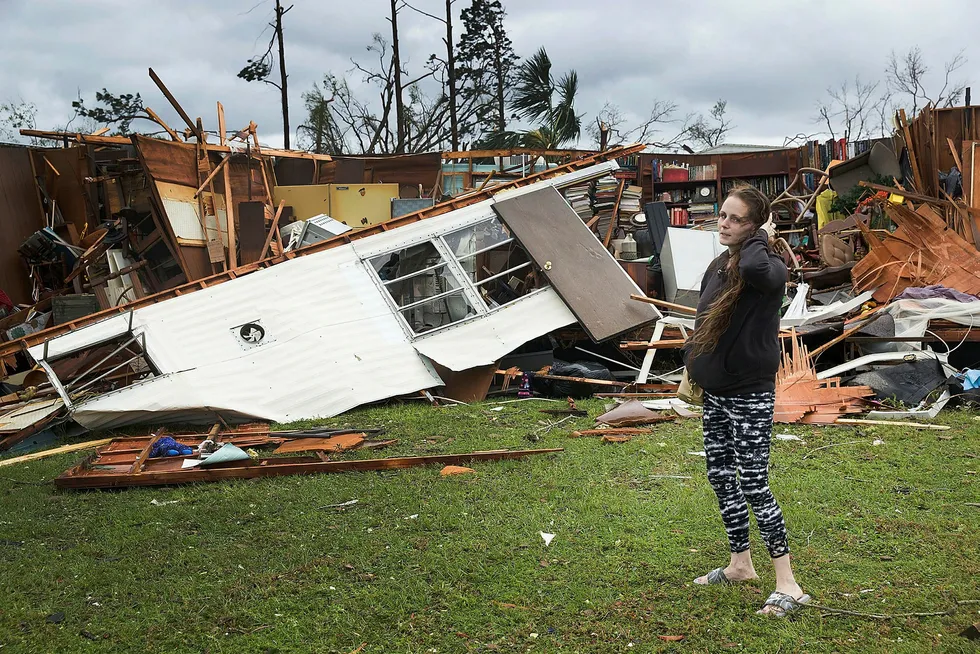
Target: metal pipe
[
  {"x": 103, "y": 360},
  {"x": 501, "y": 274}
]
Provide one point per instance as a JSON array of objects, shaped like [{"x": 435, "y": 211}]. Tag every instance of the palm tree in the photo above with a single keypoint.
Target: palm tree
[{"x": 539, "y": 98}]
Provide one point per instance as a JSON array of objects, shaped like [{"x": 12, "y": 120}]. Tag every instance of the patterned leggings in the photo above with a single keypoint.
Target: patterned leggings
[{"x": 737, "y": 435}]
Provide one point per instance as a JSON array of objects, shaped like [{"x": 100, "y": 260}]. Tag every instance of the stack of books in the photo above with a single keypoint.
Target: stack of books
[
  {"x": 579, "y": 197},
  {"x": 629, "y": 204},
  {"x": 605, "y": 201},
  {"x": 704, "y": 214}
]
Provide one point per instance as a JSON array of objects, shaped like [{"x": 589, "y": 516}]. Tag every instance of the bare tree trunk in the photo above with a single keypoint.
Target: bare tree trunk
[
  {"x": 498, "y": 65},
  {"x": 282, "y": 74},
  {"x": 396, "y": 61},
  {"x": 451, "y": 64}
]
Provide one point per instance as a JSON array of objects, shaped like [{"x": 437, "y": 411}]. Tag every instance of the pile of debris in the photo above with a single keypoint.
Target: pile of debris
[{"x": 231, "y": 282}]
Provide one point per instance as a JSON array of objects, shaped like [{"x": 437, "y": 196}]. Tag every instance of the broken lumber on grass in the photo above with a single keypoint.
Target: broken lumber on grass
[
  {"x": 801, "y": 397},
  {"x": 610, "y": 431},
  {"x": 97, "y": 471},
  {"x": 631, "y": 413},
  {"x": 339, "y": 443}
]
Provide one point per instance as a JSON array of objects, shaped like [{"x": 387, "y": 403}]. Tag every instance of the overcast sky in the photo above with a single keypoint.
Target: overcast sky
[{"x": 771, "y": 61}]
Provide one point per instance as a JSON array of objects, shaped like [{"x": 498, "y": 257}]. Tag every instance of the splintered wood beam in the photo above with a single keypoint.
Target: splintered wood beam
[
  {"x": 221, "y": 125},
  {"x": 145, "y": 452},
  {"x": 159, "y": 121},
  {"x": 670, "y": 344},
  {"x": 613, "y": 219},
  {"x": 891, "y": 423},
  {"x": 58, "y": 450},
  {"x": 680, "y": 308},
  {"x": 908, "y": 144},
  {"x": 89, "y": 139},
  {"x": 230, "y": 221},
  {"x": 173, "y": 102},
  {"x": 100, "y": 131},
  {"x": 272, "y": 230},
  {"x": 51, "y": 166},
  {"x": 210, "y": 177}
]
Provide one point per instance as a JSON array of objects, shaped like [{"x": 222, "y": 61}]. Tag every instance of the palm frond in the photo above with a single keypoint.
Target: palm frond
[{"x": 534, "y": 87}]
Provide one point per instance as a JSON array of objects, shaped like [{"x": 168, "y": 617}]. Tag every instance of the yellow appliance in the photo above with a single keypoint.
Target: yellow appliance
[
  {"x": 362, "y": 205},
  {"x": 307, "y": 201}
]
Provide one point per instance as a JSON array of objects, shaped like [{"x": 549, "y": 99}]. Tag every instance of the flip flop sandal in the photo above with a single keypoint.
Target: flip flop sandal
[
  {"x": 785, "y": 604},
  {"x": 716, "y": 576}
]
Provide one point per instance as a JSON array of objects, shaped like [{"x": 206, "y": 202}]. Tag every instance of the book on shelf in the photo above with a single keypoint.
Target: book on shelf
[{"x": 770, "y": 185}]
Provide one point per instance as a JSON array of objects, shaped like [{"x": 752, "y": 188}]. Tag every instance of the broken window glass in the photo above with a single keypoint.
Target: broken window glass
[
  {"x": 494, "y": 262},
  {"x": 403, "y": 263},
  {"x": 429, "y": 290},
  {"x": 437, "y": 312}
]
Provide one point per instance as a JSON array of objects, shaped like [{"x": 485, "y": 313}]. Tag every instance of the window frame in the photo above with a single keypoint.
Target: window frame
[{"x": 470, "y": 290}]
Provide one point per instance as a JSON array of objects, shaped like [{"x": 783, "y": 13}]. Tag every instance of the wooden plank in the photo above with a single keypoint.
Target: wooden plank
[
  {"x": 679, "y": 308},
  {"x": 489, "y": 154},
  {"x": 87, "y": 139},
  {"x": 145, "y": 452},
  {"x": 667, "y": 344},
  {"x": 272, "y": 467},
  {"x": 337, "y": 443},
  {"x": 210, "y": 177},
  {"x": 65, "y": 449},
  {"x": 594, "y": 382},
  {"x": 222, "y": 133},
  {"x": 152, "y": 114},
  {"x": 230, "y": 219},
  {"x": 891, "y": 423},
  {"x": 273, "y": 230},
  {"x": 176, "y": 105},
  {"x": 614, "y": 217},
  {"x": 581, "y": 271},
  {"x": 904, "y": 122}
]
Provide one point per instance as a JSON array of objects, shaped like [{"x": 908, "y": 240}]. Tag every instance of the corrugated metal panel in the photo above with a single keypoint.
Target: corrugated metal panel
[
  {"x": 482, "y": 341},
  {"x": 25, "y": 416},
  {"x": 81, "y": 339}
]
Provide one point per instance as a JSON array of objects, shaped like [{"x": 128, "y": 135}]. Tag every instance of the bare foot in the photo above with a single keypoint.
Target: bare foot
[{"x": 732, "y": 574}]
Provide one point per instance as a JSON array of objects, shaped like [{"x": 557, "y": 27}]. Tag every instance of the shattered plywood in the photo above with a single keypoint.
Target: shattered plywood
[
  {"x": 921, "y": 252},
  {"x": 801, "y": 397}
]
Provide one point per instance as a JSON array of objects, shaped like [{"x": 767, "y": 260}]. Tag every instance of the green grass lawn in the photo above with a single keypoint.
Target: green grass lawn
[{"x": 424, "y": 563}]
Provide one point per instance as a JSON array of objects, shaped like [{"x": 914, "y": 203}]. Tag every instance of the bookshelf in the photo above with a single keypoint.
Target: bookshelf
[{"x": 769, "y": 170}]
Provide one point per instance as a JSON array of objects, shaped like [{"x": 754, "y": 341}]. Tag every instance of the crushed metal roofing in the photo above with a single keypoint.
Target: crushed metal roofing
[{"x": 742, "y": 148}]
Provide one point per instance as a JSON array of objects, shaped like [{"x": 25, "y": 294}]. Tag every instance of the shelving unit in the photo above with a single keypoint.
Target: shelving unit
[{"x": 770, "y": 170}]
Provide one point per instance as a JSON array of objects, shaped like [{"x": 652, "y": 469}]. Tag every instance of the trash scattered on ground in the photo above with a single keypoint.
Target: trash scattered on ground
[{"x": 450, "y": 471}]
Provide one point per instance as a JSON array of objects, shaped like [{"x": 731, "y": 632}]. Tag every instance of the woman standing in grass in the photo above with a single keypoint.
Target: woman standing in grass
[{"x": 734, "y": 355}]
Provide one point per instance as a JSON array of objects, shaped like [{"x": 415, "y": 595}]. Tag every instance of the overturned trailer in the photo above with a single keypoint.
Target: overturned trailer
[{"x": 350, "y": 321}]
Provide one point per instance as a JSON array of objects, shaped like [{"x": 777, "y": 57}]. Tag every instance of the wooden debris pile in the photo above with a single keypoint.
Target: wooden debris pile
[{"x": 801, "y": 397}]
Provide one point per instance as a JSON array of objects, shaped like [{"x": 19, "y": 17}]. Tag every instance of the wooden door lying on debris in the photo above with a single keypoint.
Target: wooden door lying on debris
[{"x": 581, "y": 271}]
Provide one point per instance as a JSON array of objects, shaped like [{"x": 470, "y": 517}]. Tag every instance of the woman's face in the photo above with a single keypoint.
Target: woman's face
[{"x": 734, "y": 225}]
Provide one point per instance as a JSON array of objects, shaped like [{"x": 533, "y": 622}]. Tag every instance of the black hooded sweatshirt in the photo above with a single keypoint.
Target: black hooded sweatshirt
[{"x": 746, "y": 357}]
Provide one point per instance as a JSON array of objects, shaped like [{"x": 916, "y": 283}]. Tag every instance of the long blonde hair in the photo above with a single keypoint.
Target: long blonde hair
[{"x": 718, "y": 317}]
